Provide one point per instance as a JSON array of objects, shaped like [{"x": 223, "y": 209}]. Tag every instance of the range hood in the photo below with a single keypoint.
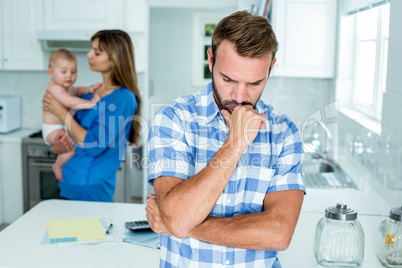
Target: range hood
[{"x": 73, "y": 40}]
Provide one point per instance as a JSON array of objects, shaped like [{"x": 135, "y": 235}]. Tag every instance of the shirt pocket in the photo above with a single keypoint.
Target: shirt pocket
[{"x": 252, "y": 187}]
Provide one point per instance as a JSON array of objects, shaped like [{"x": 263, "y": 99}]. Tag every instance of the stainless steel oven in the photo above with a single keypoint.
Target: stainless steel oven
[{"x": 39, "y": 182}]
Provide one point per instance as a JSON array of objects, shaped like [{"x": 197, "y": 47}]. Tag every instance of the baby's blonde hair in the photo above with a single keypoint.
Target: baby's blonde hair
[{"x": 61, "y": 53}]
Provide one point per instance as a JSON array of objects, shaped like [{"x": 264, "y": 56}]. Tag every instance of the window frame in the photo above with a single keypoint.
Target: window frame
[{"x": 374, "y": 110}]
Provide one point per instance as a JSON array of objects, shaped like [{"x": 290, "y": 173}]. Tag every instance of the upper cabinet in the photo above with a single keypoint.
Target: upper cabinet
[
  {"x": 95, "y": 15},
  {"x": 306, "y": 31},
  {"x": 19, "y": 47},
  {"x": 82, "y": 14},
  {"x": 20, "y": 21}
]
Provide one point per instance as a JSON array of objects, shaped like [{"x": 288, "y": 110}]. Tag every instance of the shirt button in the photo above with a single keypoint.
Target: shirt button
[
  {"x": 228, "y": 201},
  {"x": 227, "y": 262}
]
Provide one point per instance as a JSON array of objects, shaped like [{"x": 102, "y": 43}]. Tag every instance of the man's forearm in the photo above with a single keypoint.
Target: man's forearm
[
  {"x": 188, "y": 203},
  {"x": 269, "y": 230},
  {"x": 247, "y": 231}
]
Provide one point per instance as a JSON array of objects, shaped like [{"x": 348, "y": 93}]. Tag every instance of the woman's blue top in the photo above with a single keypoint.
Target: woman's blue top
[{"x": 91, "y": 173}]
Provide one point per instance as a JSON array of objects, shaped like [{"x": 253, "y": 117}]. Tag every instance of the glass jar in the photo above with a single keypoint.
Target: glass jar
[
  {"x": 389, "y": 246},
  {"x": 339, "y": 238}
]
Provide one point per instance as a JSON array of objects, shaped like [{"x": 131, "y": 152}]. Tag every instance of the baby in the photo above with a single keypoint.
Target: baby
[{"x": 63, "y": 73}]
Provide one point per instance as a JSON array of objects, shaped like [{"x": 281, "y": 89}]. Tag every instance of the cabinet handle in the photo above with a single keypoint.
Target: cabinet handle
[{"x": 41, "y": 165}]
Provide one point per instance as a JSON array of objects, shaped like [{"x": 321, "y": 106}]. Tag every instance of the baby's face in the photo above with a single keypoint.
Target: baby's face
[{"x": 64, "y": 72}]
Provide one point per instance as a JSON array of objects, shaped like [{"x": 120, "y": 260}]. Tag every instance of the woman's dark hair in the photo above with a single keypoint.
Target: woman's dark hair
[{"x": 117, "y": 44}]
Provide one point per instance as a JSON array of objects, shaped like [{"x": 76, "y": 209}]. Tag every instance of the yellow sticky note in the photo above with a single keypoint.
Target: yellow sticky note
[{"x": 75, "y": 230}]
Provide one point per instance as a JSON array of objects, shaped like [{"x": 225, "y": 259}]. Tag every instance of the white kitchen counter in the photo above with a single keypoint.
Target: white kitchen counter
[
  {"x": 366, "y": 200},
  {"x": 300, "y": 253},
  {"x": 17, "y": 135},
  {"x": 20, "y": 242}
]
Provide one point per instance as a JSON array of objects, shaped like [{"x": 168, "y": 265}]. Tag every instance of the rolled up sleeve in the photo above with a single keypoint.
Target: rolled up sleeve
[
  {"x": 288, "y": 167},
  {"x": 169, "y": 152}
]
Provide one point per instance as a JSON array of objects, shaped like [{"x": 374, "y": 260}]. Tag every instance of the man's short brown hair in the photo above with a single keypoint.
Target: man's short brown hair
[
  {"x": 61, "y": 53},
  {"x": 252, "y": 35}
]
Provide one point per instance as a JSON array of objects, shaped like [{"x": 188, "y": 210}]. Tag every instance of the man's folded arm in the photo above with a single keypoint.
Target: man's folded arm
[
  {"x": 184, "y": 204},
  {"x": 271, "y": 229}
]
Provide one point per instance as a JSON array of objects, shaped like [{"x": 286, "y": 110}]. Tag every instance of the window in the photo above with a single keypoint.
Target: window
[{"x": 372, "y": 27}]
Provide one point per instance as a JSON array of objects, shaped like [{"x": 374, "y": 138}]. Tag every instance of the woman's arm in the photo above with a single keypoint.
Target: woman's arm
[
  {"x": 50, "y": 104},
  {"x": 62, "y": 143}
]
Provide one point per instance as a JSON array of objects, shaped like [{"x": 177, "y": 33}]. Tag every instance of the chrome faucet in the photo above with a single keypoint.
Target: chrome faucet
[{"x": 314, "y": 146}]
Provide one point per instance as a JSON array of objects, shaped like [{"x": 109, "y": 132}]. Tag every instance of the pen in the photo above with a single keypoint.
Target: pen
[{"x": 108, "y": 228}]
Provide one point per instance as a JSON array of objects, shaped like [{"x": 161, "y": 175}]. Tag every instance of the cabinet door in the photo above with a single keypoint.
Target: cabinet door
[
  {"x": 121, "y": 185},
  {"x": 136, "y": 16},
  {"x": 1, "y": 181},
  {"x": 306, "y": 31},
  {"x": 21, "y": 49},
  {"x": 83, "y": 14}
]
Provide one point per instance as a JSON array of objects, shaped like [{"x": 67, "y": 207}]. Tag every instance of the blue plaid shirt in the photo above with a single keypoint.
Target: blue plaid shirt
[{"x": 185, "y": 135}]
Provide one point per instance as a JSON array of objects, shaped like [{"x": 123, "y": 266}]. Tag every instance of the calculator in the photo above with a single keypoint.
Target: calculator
[{"x": 137, "y": 226}]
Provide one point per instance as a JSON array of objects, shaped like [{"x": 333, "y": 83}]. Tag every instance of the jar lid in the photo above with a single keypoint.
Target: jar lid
[
  {"x": 396, "y": 213},
  {"x": 341, "y": 212}
]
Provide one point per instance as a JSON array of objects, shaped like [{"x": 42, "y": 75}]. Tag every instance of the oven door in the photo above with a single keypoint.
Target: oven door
[{"x": 42, "y": 181}]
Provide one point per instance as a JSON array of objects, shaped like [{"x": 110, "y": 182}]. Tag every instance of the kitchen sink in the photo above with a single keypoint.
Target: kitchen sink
[
  {"x": 317, "y": 167},
  {"x": 321, "y": 175}
]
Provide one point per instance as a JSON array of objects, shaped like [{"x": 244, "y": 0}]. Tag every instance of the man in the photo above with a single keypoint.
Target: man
[{"x": 225, "y": 168}]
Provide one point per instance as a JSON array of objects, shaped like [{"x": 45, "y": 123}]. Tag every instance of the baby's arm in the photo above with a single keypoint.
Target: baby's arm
[
  {"x": 81, "y": 91},
  {"x": 67, "y": 100}
]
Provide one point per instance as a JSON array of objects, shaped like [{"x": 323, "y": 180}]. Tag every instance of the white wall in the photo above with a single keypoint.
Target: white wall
[
  {"x": 393, "y": 97},
  {"x": 170, "y": 53}
]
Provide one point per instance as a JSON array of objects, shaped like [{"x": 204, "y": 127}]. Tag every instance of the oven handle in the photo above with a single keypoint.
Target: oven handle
[{"x": 41, "y": 164}]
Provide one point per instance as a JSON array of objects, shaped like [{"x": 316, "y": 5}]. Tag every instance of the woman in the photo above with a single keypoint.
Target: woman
[{"x": 101, "y": 133}]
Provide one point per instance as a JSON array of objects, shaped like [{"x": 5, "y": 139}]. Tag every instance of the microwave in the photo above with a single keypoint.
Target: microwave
[{"x": 10, "y": 113}]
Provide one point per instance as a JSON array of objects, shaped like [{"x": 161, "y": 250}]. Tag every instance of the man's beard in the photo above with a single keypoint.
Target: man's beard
[{"x": 227, "y": 103}]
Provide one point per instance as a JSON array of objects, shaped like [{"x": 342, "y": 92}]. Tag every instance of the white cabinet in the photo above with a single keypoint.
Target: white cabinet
[
  {"x": 306, "y": 31},
  {"x": 1, "y": 186},
  {"x": 11, "y": 177},
  {"x": 121, "y": 193},
  {"x": 19, "y": 47},
  {"x": 91, "y": 16},
  {"x": 128, "y": 15},
  {"x": 135, "y": 16},
  {"x": 82, "y": 14}
]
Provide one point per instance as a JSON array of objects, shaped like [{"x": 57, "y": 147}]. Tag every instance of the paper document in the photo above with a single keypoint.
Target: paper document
[
  {"x": 144, "y": 238},
  {"x": 75, "y": 230}
]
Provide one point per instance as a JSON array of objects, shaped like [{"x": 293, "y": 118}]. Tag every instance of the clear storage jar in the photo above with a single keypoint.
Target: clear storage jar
[
  {"x": 389, "y": 245},
  {"x": 339, "y": 238}
]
